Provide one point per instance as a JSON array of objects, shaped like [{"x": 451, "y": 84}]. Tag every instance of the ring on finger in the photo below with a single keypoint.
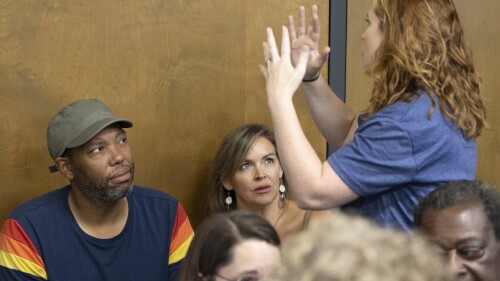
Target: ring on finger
[{"x": 267, "y": 60}]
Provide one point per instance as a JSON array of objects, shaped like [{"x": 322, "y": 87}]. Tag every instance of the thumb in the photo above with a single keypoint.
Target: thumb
[{"x": 325, "y": 54}]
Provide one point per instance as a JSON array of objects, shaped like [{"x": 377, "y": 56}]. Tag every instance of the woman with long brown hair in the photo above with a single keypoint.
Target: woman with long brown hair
[
  {"x": 420, "y": 128},
  {"x": 246, "y": 175}
]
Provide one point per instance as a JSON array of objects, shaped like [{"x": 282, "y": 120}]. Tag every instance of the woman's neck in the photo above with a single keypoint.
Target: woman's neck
[{"x": 272, "y": 212}]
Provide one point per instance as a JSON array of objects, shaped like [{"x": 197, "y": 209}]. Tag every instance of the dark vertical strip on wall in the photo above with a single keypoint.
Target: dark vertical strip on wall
[{"x": 338, "y": 43}]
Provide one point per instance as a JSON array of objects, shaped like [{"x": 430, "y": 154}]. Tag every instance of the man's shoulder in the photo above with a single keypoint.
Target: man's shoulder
[
  {"x": 148, "y": 193},
  {"x": 42, "y": 203}
]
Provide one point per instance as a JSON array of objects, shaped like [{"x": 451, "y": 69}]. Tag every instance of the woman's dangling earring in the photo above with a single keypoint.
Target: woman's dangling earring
[
  {"x": 229, "y": 200},
  {"x": 282, "y": 191}
]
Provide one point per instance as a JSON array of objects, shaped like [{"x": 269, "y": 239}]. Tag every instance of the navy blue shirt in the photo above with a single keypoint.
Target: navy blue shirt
[{"x": 41, "y": 240}]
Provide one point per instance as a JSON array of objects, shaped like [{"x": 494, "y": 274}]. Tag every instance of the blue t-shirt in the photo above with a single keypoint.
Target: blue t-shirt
[
  {"x": 398, "y": 156},
  {"x": 41, "y": 240}
]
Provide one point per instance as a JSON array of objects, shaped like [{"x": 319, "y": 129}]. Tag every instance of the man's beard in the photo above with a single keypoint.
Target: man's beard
[{"x": 97, "y": 190}]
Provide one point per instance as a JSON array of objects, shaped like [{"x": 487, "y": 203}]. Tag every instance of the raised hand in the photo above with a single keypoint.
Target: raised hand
[
  {"x": 282, "y": 78},
  {"x": 308, "y": 35}
]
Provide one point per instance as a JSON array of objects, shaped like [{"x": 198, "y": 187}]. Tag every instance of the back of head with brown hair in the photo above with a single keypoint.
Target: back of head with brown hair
[
  {"x": 424, "y": 48},
  {"x": 217, "y": 236}
]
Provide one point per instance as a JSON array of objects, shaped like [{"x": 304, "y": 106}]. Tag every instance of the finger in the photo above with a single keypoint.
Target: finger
[
  {"x": 302, "y": 20},
  {"x": 285, "y": 43},
  {"x": 273, "y": 49},
  {"x": 309, "y": 28},
  {"x": 263, "y": 70},
  {"x": 291, "y": 28},
  {"x": 315, "y": 19},
  {"x": 265, "y": 50},
  {"x": 302, "y": 63}
]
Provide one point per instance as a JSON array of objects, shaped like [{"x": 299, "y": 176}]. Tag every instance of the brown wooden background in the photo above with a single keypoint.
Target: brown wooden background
[{"x": 186, "y": 72}]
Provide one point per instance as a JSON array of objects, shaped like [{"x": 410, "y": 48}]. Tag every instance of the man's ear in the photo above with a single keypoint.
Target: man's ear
[
  {"x": 65, "y": 167},
  {"x": 227, "y": 184}
]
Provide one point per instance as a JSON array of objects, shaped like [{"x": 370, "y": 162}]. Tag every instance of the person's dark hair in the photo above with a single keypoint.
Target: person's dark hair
[
  {"x": 461, "y": 192},
  {"x": 214, "y": 240},
  {"x": 228, "y": 158}
]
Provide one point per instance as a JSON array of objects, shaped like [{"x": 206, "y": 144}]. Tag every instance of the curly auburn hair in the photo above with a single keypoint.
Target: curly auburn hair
[{"x": 424, "y": 48}]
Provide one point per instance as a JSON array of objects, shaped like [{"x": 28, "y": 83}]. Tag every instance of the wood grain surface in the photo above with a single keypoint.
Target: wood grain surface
[{"x": 185, "y": 72}]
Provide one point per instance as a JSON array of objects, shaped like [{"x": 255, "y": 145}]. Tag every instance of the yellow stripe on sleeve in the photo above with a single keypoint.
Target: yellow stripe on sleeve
[
  {"x": 181, "y": 251},
  {"x": 17, "y": 263}
]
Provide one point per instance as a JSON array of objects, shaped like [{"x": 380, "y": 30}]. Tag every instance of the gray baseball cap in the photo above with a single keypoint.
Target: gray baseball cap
[{"x": 77, "y": 123}]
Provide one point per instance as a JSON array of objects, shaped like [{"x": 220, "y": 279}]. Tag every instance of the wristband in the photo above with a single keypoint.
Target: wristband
[{"x": 312, "y": 79}]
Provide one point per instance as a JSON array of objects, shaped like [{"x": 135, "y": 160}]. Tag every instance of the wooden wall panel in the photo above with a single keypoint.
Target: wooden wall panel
[
  {"x": 185, "y": 72},
  {"x": 482, "y": 31}
]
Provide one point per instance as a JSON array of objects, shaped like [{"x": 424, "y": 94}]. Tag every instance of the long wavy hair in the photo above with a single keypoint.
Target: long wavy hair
[
  {"x": 228, "y": 158},
  {"x": 424, "y": 48}
]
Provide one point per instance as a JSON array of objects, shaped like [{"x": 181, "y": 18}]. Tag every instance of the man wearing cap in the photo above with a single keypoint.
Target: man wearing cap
[{"x": 100, "y": 226}]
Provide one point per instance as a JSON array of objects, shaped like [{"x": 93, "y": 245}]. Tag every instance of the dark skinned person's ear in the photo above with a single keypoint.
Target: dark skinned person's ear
[{"x": 64, "y": 166}]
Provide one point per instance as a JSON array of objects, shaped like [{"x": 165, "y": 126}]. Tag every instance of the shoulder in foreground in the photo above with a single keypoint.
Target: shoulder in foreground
[
  {"x": 147, "y": 192},
  {"x": 40, "y": 202}
]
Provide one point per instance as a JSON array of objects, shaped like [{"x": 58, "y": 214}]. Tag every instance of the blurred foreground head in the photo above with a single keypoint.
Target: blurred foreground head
[{"x": 354, "y": 249}]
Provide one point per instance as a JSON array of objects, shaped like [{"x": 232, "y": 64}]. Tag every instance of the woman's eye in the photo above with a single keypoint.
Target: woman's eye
[
  {"x": 244, "y": 166},
  {"x": 269, "y": 160}
]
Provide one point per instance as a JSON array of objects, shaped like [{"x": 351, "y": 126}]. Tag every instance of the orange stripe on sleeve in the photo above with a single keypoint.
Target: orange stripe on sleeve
[
  {"x": 12, "y": 246},
  {"x": 181, "y": 251},
  {"x": 182, "y": 235},
  {"x": 18, "y": 252},
  {"x": 14, "y": 240}
]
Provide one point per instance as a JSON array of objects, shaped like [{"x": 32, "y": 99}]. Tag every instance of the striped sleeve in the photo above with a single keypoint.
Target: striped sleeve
[
  {"x": 182, "y": 235},
  {"x": 18, "y": 253}
]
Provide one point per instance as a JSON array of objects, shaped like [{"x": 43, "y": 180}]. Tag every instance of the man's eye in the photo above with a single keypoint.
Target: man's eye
[
  {"x": 97, "y": 149},
  {"x": 471, "y": 253},
  {"x": 249, "y": 278}
]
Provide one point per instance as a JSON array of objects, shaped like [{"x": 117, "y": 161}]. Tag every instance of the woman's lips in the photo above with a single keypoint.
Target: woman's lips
[{"x": 262, "y": 189}]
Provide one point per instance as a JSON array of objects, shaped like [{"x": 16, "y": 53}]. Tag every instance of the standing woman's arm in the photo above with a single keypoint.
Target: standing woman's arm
[
  {"x": 315, "y": 184},
  {"x": 332, "y": 116}
]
